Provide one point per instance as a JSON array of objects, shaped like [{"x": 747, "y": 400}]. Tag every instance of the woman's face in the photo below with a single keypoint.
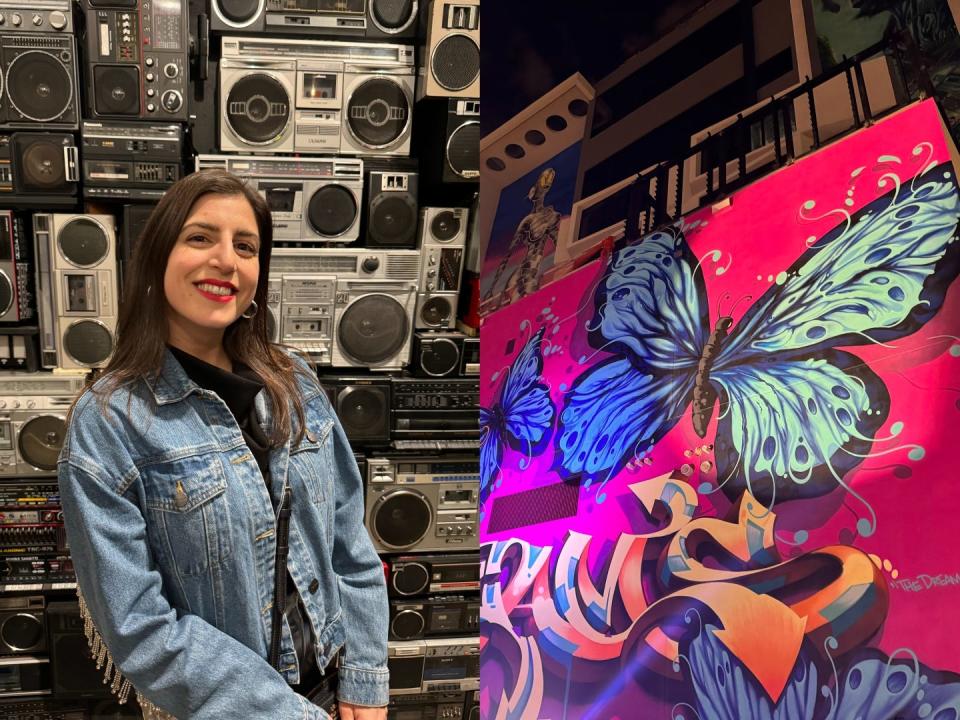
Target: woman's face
[{"x": 212, "y": 270}]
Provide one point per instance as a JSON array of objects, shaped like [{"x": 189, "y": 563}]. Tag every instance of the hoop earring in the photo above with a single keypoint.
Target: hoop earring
[{"x": 248, "y": 313}]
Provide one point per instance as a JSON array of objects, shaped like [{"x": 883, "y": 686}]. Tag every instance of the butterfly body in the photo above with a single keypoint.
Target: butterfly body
[{"x": 704, "y": 394}]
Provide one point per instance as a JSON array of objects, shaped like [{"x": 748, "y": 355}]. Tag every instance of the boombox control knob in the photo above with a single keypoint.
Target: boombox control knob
[
  {"x": 58, "y": 21},
  {"x": 16, "y": 403},
  {"x": 149, "y": 77},
  {"x": 2, "y": 19},
  {"x": 3, "y": 403},
  {"x": 371, "y": 264},
  {"x": 171, "y": 101},
  {"x": 151, "y": 107},
  {"x": 431, "y": 273},
  {"x": 429, "y": 286},
  {"x": 148, "y": 62},
  {"x": 31, "y": 404},
  {"x": 15, "y": 18},
  {"x": 171, "y": 70},
  {"x": 37, "y": 19},
  {"x": 151, "y": 92}
]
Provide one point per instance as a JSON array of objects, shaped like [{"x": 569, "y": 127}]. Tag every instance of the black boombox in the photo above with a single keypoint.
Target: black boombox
[
  {"x": 413, "y": 575},
  {"x": 444, "y": 354},
  {"x": 17, "y": 301},
  {"x": 431, "y": 706},
  {"x": 137, "y": 62},
  {"x": 38, "y": 170},
  {"x": 434, "y": 616},
  {"x": 435, "y": 665},
  {"x": 130, "y": 161},
  {"x": 434, "y": 409}
]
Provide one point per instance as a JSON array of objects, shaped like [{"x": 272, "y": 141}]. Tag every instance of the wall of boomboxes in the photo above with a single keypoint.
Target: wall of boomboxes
[{"x": 358, "y": 120}]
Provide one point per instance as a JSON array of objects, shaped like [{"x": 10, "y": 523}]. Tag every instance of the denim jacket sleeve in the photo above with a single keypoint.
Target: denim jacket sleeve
[
  {"x": 183, "y": 664},
  {"x": 363, "y": 677}
]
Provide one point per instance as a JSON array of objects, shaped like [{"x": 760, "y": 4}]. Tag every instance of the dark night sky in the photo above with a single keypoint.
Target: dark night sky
[{"x": 529, "y": 46}]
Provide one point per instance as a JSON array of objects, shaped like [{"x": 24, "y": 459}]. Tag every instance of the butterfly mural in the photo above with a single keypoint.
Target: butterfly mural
[
  {"x": 794, "y": 411},
  {"x": 522, "y": 417}
]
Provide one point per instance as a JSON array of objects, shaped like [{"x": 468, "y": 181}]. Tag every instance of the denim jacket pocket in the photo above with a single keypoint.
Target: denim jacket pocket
[
  {"x": 311, "y": 460},
  {"x": 190, "y": 513}
]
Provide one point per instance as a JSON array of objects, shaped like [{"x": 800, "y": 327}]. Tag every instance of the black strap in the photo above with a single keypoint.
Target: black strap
[{"x": 280, "y": 577}]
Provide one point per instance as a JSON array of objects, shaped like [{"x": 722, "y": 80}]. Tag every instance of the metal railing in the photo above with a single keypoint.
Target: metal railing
[{"x": 650, "y": 201}]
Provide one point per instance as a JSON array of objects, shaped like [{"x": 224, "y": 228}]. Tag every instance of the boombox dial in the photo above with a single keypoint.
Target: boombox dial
[{"x": 370, "y": 264}]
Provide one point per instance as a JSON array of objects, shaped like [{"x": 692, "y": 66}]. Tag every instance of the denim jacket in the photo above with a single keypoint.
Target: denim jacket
[{"x": 172, "y": 534}]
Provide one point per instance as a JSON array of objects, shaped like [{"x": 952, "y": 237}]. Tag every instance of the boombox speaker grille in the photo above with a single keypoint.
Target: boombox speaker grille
[
  {"x": 413, "y": 578},
  {"x": 116, "y": 89},
  {"x": 373, "y": 329},
  {"x": 393, "y": 219},
  {"x": 436, "y": 311},
  {"x": 463, "y": 150},
  {"x": 88, "y": 342},
  {"x": 40, "y": 162},
  {"x": 237, "y": 11},
  {"x": 332, "y": 210},
  {"x": 377, "y": 112},
  {"x": 22, "y": 632},
  {"x": 40, "y": 441},
  {"x": 456, "y": 62},
  {"x": 439, "y": 357},
  {"x": 6, "y": 293},
  {"x": 258, "y": 108},
  {"x": 445, "y": 226},
  {"x": 362, "y": 411},
  {"x": 392, "y": 15},
  {"x": 39, "y": 86},
  {"x": 402, "y": 519},
  {"x": 83, "y": 242}
]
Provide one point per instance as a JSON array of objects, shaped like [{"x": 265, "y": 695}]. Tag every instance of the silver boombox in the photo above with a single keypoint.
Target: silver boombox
[
  {"x": 310, "y": 199},
  {"x": 371, "y": 309},
  {"x": 434, "y": 665},
  {"x": 33, "y": 412},
  {"x": 428, "y": 503},
  {"x": 315, "y": 96}
]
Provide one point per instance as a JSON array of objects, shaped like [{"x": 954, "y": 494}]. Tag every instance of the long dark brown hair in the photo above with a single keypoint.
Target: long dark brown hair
[{"x": 142, "y": 329}]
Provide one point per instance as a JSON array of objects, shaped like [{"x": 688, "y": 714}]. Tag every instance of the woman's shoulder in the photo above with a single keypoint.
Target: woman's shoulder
[{"x": 107, "y": 403}]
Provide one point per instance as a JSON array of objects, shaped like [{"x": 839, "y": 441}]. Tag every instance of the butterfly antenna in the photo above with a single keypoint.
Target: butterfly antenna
[
  {"x": 725, "y": 296},
  {"x": 748, "y": 298}
]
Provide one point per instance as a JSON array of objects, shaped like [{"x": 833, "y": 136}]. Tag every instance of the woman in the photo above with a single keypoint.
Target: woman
[{"x": 173, "y": 479}]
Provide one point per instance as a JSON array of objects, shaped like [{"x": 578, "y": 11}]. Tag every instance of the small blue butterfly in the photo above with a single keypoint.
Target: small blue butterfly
[
  {"x": 522, "y": 416},
  {"x": 795, "y": 412}
]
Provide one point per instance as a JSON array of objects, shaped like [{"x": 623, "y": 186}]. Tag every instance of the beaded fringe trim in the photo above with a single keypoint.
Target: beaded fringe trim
[{"x": 119, "y": 685}]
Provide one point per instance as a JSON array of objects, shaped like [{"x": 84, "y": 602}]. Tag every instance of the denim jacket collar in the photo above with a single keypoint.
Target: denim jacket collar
[{"x": 172, "y": 383}]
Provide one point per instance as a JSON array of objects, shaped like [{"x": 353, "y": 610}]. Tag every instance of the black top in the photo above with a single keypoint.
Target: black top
[{"x": 238, "y": 390}]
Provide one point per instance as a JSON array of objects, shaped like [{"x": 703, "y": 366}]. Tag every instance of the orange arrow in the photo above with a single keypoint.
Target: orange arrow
[
  {"x": 765, "y": 635},
  {"x": 761, "y": 631},
  {"x": 674, "y": 493}
]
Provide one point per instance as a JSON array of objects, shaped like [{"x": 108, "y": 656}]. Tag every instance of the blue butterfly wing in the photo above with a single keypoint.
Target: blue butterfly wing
[
  {"x": 793, "y": 427},
  {"x": 527, "y": 409},
  {"x": 522, "y": 418},
  {"x": 651, "y": 305},
  {"x": 491, "y": 451},
  {"x": 878, "y": 279},
  {"x": 614, "y": 411}
]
